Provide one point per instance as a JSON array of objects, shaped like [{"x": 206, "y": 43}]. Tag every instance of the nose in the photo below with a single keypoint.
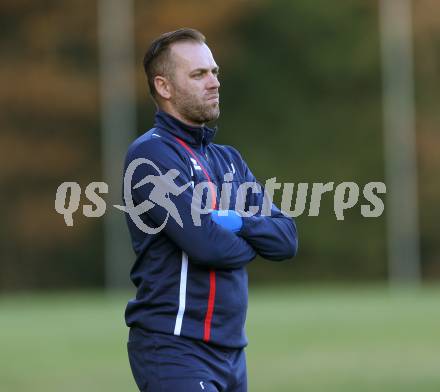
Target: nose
[{"x": 213, "y": 82}]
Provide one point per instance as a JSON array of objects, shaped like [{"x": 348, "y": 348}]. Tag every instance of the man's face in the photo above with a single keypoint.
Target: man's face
[{"x": 194, "y": 82}]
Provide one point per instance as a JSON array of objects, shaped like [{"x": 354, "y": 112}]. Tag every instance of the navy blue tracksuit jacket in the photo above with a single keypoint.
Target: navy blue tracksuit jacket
[{"x": 192, "y": 280}]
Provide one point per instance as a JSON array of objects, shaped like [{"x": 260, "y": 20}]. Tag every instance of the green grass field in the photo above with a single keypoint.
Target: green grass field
[{"x": 315, "y": 338}]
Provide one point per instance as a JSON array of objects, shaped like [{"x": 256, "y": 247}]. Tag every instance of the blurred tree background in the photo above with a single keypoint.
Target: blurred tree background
[{"x": 301, "y": 99}]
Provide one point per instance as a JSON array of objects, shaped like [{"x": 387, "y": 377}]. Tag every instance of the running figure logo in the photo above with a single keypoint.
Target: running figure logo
[{"x": 163, "y": 186}]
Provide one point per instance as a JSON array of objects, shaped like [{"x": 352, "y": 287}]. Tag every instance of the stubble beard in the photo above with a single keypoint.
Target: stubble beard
[{"x": 192, "y": 108}]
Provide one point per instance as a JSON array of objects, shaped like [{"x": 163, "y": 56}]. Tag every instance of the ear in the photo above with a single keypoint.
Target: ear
[{"x": 163, "y": 87}]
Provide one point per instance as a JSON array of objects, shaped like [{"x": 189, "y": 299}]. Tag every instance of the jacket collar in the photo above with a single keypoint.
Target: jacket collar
[{"x": 190, "y": 134}]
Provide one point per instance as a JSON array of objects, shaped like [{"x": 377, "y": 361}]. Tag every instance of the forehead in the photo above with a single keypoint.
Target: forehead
[{"x": 189, "y": 55}]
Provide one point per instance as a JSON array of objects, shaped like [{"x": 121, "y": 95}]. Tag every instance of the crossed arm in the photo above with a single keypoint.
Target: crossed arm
[{"x": 212, "y": 243}]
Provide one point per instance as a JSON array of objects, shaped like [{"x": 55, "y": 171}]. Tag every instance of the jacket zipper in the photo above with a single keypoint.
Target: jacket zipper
[{"x": 204, "y": 149}]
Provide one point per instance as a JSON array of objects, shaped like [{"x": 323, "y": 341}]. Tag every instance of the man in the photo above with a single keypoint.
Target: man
[{"x": 187, "y": 320}]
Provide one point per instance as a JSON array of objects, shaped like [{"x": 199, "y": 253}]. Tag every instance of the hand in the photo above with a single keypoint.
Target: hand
[{"x": 228, "y": 219}]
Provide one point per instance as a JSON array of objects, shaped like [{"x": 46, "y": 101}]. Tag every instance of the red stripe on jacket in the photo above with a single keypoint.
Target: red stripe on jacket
[{"x": 212, "y": 278}]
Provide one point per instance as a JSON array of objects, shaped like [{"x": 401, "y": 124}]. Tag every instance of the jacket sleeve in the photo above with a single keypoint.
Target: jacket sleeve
[
  {"x": 207, "y": 244},
  {"x": 273, "y": 236}
]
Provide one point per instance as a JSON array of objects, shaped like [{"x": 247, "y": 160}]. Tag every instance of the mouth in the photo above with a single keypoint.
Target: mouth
[{"x": 215, "y": 98}]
